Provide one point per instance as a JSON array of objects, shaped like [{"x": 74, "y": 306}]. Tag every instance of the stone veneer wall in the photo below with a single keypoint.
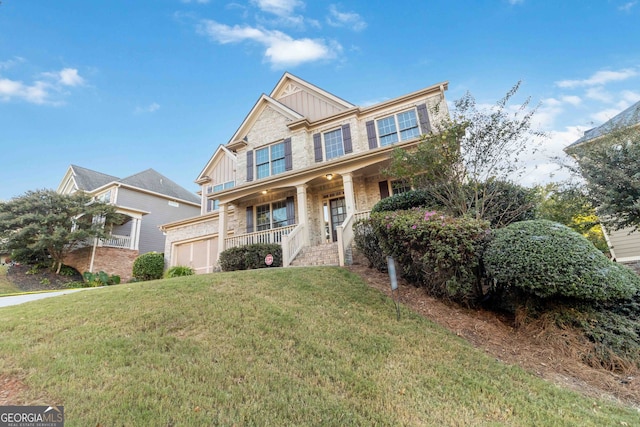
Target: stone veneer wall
[{"x": 110, "y": 260}]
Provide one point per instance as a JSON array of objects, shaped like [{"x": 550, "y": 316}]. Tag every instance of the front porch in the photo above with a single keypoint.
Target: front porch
[{"x": 291, "y": 239}]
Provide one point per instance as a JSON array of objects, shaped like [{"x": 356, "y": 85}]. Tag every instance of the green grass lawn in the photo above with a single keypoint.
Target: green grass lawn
[
  {"x": 6, "y": 287},
  {"x": 276, "y": 347}
]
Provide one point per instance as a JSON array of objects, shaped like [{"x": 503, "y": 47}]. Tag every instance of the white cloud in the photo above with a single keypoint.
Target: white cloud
[
  {"x": 345, "y": 19},
  {"x": 5, "y": 65},
  {"x": 153, "y": 107},
  {"x": 70, "y": 77},
  {"x": 599, "y": 94},
  {"x": 627, "y": 6},
  {"x": 282, "y": 8},
  {"x": 599, "y": 78},
  {"x": 572, "y": 99},
  {"x": 604, "y": 115},
  {"x": 281, "y": 50},
  {"x": 630, "y": 96}
]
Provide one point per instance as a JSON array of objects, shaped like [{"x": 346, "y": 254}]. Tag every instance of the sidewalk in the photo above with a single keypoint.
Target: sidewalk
[{"x": 19, "y": 299}]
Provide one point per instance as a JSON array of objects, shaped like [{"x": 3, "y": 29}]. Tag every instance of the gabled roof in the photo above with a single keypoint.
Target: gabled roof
[
  {"x": 88, "y": 180},
  {"x": 220, "y": 151},
  {"x": 628, "y": 117},
  {"x": 288, "y": 79},
  {"x": 153, "y": 181}
]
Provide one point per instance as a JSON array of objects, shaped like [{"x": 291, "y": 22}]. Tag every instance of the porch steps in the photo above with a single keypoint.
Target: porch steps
[{"x": 325, "y": 254}]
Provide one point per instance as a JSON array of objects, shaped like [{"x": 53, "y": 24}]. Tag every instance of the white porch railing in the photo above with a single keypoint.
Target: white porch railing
[
  {"x": 292, "y": 244},
  {"x": 116, "y": 241},
  {"x": 346, "y": 235},
  {"x": 267, "y": 236}
]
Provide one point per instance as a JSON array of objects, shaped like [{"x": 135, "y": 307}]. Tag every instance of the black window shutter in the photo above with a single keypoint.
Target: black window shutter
[
  {"x": 249, "y": 219},
  {"x": 423, "y": 117},
  {"x": 291, "y": 211},
  {"x": 288, "y": 155},
  {"x": 346, "y": 138},
  {"x": 249, "y": 165},
  {"x": 384, "y": 189},
  {"x": 371, "y": 135},
  {"x": 317, "y": 147}
]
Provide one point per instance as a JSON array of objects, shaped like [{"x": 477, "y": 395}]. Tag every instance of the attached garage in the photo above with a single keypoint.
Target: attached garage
[{"x": 201, "y": 255}]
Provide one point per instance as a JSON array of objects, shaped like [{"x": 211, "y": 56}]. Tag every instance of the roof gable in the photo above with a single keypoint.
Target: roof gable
[
  {"x": 307, "y": 99},
  {"x": 79, "y": 178},
  {"x": 220, "y": 152}
]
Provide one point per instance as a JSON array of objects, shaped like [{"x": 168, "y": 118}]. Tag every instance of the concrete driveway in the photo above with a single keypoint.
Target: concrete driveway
[{"x": 19, "y": 299}]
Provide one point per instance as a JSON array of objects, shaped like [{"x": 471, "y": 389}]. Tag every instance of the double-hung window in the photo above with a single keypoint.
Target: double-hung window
[
  {"x": 270, "y": 160},
  {"x": 273, "y": 215},
  {"x": 333, "y": 145},
  {"x": 399, "y": 127}
]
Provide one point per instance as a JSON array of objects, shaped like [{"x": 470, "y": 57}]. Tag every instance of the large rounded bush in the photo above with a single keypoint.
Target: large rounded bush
[
  {"x": 149, "y": 266},
  {"x": 406, "y": 200},
  {"x": 547, "y": 259}
]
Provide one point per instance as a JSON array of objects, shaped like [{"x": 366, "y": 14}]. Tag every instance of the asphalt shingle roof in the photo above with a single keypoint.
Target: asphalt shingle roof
[{"x": 628, "y": 117}]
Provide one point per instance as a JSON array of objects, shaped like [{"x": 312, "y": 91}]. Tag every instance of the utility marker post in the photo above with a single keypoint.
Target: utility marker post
[{"x": 395, "y": 293}]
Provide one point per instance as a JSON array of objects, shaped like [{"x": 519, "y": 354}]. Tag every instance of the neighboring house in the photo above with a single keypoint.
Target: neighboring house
[
  {"x": 301, "y": 168},
  {"x": 146, "y": 200},
  {"x": 624, "y": 244}
]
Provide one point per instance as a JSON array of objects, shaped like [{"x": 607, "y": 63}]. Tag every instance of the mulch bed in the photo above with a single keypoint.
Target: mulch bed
[{"x": 28, "y": 280}]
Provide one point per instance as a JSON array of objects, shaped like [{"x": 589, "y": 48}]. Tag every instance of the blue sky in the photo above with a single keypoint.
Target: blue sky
[{"x": 123, "y": 86}]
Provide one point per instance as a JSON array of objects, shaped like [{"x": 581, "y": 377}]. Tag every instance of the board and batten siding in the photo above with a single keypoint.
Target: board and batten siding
[
  {"x": 160, "y": 212},
  {"x": 309, "y": 105}
]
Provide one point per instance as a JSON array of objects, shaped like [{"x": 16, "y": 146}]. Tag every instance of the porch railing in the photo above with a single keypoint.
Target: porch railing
[
  {"x": 267, "y": 236},
  {"x": 116, "y": 241},
  {"x": 346, "y": 234},
  {"x": 292, "y": 244}
]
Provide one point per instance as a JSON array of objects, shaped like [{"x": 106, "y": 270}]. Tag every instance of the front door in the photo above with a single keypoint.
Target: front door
[{"x": 338, "y": 211}]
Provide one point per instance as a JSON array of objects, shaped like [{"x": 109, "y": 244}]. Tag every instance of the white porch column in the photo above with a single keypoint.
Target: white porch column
[
  {"x": 222, "y": 226},
  {"x": 302, "y": 212},
  {"x": 349, "y": 195},
  {"x": 135, "y": 234}
]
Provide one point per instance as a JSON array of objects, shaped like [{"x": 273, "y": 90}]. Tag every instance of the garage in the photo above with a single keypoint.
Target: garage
[{"x": 201, "y": 255}]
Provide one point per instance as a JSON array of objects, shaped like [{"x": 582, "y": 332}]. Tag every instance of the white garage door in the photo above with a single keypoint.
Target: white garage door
[{"x": 201, "y": 255}]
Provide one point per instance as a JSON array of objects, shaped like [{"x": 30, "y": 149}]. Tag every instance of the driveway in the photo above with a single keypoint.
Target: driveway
[{"x": 19, "y": 299}]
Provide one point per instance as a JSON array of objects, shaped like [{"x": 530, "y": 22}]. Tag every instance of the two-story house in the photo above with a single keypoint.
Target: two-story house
[
  {"x": 301, "y": 168},
  {"x": 146, "y": 200}
]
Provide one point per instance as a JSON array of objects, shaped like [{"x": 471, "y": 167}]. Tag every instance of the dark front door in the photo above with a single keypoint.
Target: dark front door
[{"x": 338, "y": 209}]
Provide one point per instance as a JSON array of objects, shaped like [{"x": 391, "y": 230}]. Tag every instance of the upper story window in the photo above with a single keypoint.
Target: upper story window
[
  {"x": 270, "y": 160},
  {"x": 399, "y": 127},
  {"x": 333, "y": 145},
  {"x": 336, "y": 143},
  {"x": 104, "y": 197}
]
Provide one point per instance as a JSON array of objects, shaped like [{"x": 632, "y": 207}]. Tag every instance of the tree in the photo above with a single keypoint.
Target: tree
[
  {"x": 471, "y": 158},
  {"x": 44, "y": 223},
  {"x": 610, "y": 165},
  {"x": 569, "y": 204}
]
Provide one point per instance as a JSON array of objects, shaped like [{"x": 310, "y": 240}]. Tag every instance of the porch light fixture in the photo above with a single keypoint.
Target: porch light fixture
[
  {"x": 329, "y": 176},
  {"x": 264, "y": 191}
]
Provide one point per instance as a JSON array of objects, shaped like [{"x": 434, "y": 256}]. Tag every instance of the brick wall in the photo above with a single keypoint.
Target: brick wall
[{"x": 110, "y": 260}]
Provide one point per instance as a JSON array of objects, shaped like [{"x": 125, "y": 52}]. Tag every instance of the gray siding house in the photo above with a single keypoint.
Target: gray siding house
[{"x": 147, "y": 200}]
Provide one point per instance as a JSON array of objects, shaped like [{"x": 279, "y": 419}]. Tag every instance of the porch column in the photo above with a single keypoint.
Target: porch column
[
  {"x": 349, "y": 195},
  {"x": 302, "y": 212},
  {"x": 222, "y": 226},
  {"x": 135, "y": 234}
]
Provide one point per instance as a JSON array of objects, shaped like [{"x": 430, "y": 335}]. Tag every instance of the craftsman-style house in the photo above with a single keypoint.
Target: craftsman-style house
[
  {"x": 302, "y": 166},
  {"x": 146, "y": 200}
]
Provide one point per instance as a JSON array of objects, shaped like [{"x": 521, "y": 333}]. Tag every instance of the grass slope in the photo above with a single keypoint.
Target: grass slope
[
  {"x": 303, "y": 346},
  {"x": 6, "y": 287}
]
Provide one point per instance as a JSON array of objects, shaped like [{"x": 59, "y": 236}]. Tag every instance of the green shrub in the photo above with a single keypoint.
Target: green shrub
[
  {"x": 250, "y": 257},
  {"x": 149, "y": 266},
  {"x": 405, "y": 201},
  {"x": 436, "y": 251},
  {"x": 545, "y": 259},
  {"x": 179, "y": 271},
  {"x": 100, "y": 279},
  {"x": 366, "y": 241}
]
